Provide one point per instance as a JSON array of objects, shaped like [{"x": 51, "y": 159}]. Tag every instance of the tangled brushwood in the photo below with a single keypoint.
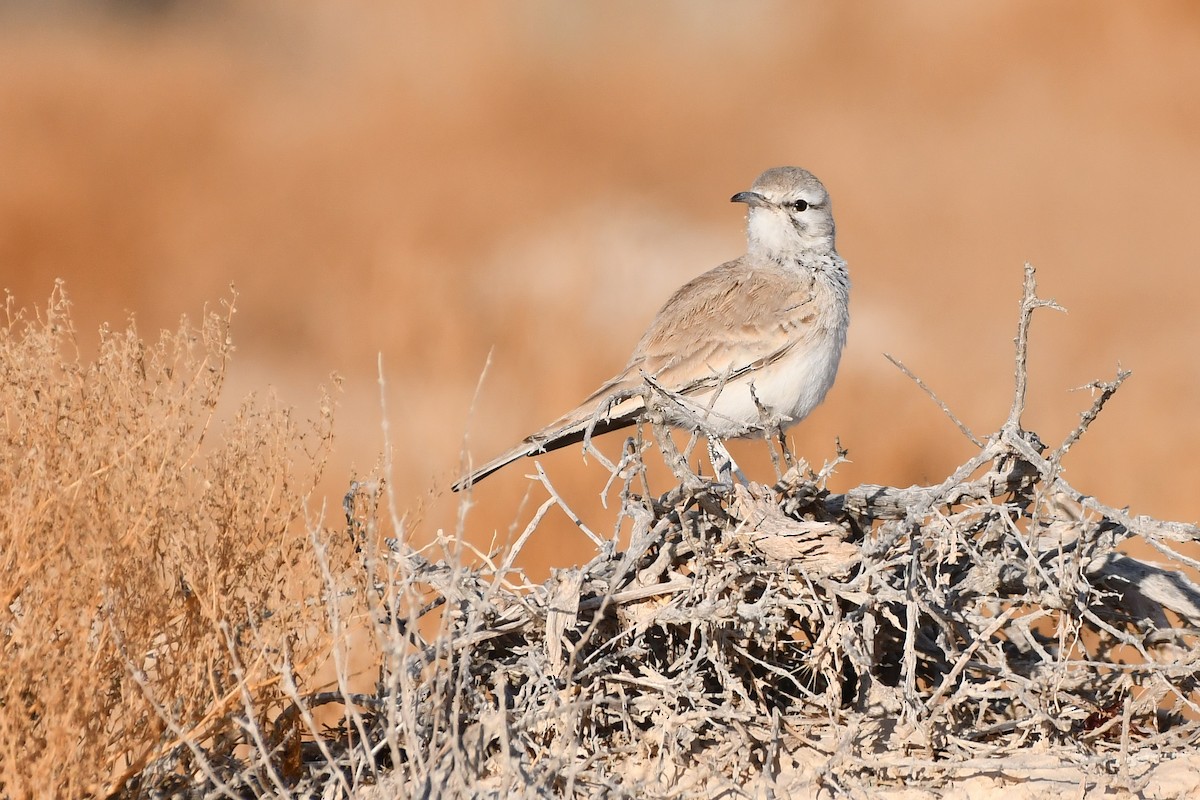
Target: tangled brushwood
[{"x": 786, "y": 636}]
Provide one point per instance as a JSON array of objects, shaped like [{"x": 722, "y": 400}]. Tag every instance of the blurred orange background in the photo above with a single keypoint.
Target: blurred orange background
[{"x": 428, "y": 183}]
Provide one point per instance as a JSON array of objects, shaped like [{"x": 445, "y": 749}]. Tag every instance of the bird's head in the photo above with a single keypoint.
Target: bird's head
[{"x": 789, "y": 214}]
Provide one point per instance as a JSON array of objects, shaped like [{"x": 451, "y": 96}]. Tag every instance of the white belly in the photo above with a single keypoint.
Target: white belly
[{"x": 787, "y": 390}]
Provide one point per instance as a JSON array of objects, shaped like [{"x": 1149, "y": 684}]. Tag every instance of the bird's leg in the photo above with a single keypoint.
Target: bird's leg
[
  {"x": 788, "y": 458},
  {"x": 723, "y": 464},
  {"x": 724, "y": 467}
]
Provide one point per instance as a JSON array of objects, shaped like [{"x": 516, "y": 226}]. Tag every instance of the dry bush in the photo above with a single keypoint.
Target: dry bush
[
  {"x": 141, "y": 550},
  {"x": 787, "y": 639}
]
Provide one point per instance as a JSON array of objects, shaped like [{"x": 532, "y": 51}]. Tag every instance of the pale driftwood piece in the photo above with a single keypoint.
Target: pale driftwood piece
[{"x": 562, "y": 614}]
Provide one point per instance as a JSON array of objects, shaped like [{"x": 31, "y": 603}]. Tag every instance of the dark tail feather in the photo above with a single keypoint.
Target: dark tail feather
[{"x": 545, "y": 442}]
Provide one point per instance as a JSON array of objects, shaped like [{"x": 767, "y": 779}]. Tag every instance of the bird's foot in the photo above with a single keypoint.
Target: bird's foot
[{"x": 725, "y": 468}]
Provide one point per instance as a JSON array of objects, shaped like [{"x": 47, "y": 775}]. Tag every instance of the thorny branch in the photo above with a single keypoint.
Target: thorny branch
[
  {"x": 962, "y": 426},
  {"x": 1030, "y": 302}
]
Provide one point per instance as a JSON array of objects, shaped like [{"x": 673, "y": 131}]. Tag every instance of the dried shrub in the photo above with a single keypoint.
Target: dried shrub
[
  {"x": 784, "y": 638},
  {"x": 141, "y": 549}
]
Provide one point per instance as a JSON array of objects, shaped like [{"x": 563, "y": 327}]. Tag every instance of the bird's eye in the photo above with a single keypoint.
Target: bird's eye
[{"x": 799, "y": 205}]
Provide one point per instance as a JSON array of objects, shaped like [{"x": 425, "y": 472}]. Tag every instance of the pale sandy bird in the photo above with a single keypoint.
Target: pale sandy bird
[{"x": 743, "y": 350}]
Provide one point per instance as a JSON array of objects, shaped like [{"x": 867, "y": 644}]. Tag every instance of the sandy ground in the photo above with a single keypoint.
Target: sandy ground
[{"x": 1032, "y": 777}]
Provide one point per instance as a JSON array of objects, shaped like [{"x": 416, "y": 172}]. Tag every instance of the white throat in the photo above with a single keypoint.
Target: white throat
[{"x": 775, "y": 236}]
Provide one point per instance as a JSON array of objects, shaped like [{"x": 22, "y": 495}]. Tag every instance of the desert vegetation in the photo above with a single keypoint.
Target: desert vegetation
[
  {"x": 169, "y": 598},
  {"x": 142, "y": 550}
]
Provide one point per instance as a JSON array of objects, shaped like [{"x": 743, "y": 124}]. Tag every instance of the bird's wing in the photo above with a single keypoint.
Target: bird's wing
[{"x": 725, "y": 323}]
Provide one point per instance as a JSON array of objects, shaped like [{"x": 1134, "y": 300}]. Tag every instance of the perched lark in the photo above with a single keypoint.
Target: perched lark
[{"x": 745, "y": 349}]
